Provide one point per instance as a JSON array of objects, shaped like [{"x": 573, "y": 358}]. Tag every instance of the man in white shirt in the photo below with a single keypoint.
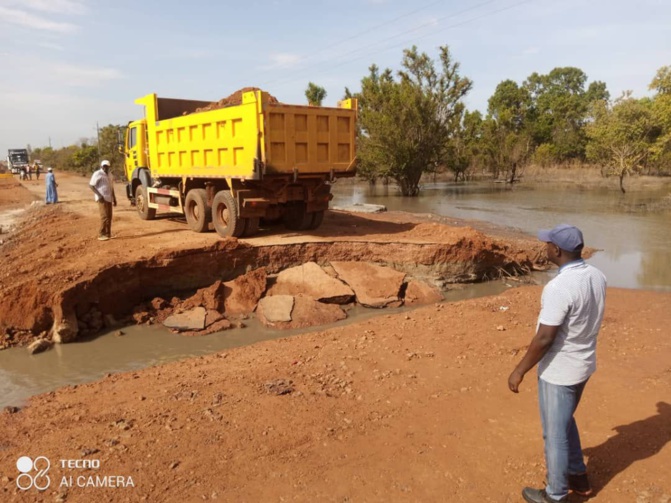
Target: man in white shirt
[
  {"x": 102, "y": 186},
  {"x": 564, "y": 347}
]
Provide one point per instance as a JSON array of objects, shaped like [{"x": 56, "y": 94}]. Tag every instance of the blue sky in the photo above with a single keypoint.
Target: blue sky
[{"x": 67, "y": 64}]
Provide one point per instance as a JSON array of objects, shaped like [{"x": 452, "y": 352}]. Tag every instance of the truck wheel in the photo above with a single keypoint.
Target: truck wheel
[
  {"x": 141, "y": 204},
  {"x": 317, "y": 219},
  {"x": 251, "y": 226},
  {"x": 198, "y": 213},
  {"x": 225, "y": 215},
  {"x": 296, "y": 218}
]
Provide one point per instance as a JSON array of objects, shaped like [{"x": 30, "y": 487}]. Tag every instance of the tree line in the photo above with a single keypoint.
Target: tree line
[
  {"x": 85, "y": 156},
  {"x": 414, "y": 121}
]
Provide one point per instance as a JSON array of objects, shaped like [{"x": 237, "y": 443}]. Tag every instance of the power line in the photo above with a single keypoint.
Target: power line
[
  {"x": 366, "y": 32},
  {"x": 355, "y": 51},
  {"x": 371, "y": 53}
]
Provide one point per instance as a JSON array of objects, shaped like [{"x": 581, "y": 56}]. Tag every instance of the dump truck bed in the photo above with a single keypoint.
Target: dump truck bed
[{"x": 254, "y": 139}]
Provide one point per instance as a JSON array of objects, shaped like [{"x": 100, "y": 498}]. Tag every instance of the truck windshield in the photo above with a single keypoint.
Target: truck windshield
[{"x": 19, "y": 158}]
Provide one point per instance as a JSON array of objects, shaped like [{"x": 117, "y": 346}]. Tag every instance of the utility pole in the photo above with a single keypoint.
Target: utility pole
[
  {"x": 98, "y": 133},
  {"x": 50, "y": 142}
]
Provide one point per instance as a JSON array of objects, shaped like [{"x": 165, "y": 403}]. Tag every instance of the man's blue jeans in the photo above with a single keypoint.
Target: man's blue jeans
[{"x": 563, "y": 453}]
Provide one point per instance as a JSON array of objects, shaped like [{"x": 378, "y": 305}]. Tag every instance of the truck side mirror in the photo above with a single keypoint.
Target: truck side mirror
[{"x": 120, "y": 139}]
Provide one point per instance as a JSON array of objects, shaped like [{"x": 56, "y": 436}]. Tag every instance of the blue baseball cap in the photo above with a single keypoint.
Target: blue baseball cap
[{"x": 567, "y": 237}]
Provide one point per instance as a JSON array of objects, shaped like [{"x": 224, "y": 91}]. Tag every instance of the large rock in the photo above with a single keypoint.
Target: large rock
[
  {"x": 243, "y": 293},
  {"x": 311, "y": 280},
  {"x": 374, "y": 285},
  {"x": 211, "y": 297},
  {"x": 308, "y": 312},
  {"x": 38, "y": 346},
  {"x": 188, "y": 320},
  {"x": 419, "y": 292},
  {"x": 275, "y": 309},
  {"x": 65, "y": 328}
]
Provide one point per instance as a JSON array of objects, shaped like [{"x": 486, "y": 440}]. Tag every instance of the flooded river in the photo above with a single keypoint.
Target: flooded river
[
  {"x": 635, "y": 243},
  {"x": 636, "y": 254}
]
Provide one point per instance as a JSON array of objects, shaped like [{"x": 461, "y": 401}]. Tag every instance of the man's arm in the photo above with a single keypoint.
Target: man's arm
[
  {"x": 540, "y": 344},
  {"x": 96, "y": 192}
]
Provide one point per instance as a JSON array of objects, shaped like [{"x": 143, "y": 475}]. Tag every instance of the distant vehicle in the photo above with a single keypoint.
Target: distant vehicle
[{"x": 17, "y": 159}]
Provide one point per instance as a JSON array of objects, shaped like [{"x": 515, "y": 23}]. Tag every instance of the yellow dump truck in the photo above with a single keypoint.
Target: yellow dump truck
[{"x": 232, "y": 166}]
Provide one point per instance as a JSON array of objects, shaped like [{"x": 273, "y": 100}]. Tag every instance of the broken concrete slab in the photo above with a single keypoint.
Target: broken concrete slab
[
  {"x": 311, "y": 280},
  {"x": 374, "y": 285},
  {"x": 361, "y": 208},
  {"x": 308, "y": 312},
  {"x": 274, "y": 309},
  {"x": 419, "y": 292},
  {"x": 188, "y": 320}
]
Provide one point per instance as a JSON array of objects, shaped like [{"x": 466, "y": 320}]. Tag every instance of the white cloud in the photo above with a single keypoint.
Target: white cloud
[
  {"x": 51, "y": 45},
  {"x": 75, "y": 7},
  {"x": 283, "y": 60},
  {"x": 81, "y": 76},
  {"x": 23, "y": 18}
]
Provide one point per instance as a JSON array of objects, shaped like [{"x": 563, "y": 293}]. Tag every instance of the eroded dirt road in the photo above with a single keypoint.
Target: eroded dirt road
[{"x": 406, "y": 407}]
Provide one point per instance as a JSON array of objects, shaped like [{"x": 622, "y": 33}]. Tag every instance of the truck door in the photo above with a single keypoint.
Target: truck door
[{"x": 131, "y": 148}]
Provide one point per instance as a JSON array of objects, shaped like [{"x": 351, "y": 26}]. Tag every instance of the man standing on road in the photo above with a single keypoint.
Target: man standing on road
[
  {"x": 102, "y": 186},
  {"x": 572, "y": 307}
]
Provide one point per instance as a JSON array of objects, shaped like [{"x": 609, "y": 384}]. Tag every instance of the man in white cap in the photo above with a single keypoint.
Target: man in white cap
[
  {"x": 102, "y": 186},
  {"x": 564, "y": 348}
]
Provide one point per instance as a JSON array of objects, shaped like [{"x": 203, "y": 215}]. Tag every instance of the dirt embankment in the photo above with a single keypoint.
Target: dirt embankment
[
  {"x": 407, "y": 407},
  {"x": 53, "y": 266}
]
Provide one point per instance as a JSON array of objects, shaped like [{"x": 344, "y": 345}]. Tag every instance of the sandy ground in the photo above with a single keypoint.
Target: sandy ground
[{"x": 405, "y": 407}]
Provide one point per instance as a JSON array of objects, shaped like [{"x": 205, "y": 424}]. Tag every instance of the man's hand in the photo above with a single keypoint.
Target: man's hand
[
  {"x": 514, "y": 381},
  {"x": 114, "y": 202}
]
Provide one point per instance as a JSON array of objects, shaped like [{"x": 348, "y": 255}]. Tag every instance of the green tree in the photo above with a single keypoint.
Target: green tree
[
  {"x": 464, "y": 149},
  {"x": 315, "y": 94},
  {"x": 507, "y": 140},
  {"x": 620, "y": 135},
  {"x": 560, "y": 107},
  {"x": 660, "y": 150},
  {"x": 407, "y": 122},
  {"x": 85, "y": 158},
  {"x": 662, "y": 81},
  {"x": 109, "y": 147}
]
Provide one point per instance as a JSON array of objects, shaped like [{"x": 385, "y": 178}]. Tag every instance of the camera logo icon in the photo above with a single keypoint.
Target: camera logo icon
[{"x": 27, "y": 466}]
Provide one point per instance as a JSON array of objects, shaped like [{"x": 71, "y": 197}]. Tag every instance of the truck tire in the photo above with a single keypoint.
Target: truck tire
[
  {"x": 198, "y": 213},
  {"x": 141, "y": 204},
  {"x": 317, "y": 219},
  {"x": 251, "y": 226},
  {"x": 225, "y": 217},
  {"x": 296, "y": 218}
]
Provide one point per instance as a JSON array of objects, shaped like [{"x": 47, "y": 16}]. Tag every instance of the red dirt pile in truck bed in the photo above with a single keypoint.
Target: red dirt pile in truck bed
[{"x": 232, "y": 100}]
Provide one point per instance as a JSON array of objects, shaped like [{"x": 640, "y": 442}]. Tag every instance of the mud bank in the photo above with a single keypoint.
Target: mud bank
[
  {"x": 405, "y": 407},
  {"x": 47, "y": 290}
]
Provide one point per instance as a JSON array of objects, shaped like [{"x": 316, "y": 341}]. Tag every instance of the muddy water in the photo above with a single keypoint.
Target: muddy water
[
  {"x": 23, "y": 375},
  {"x": 635, "y": 241},
  {"x": 636, "y": 254}
]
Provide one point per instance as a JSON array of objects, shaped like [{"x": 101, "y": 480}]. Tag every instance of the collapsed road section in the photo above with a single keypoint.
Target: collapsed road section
[{"x": 62, "y": 284}]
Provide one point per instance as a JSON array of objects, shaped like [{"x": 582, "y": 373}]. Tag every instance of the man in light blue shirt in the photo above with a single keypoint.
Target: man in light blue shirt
[{"x": 572, "y": 307}]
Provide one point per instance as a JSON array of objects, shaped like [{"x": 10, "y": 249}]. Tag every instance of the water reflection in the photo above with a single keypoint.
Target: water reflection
[{"x": 636, "y": 245}]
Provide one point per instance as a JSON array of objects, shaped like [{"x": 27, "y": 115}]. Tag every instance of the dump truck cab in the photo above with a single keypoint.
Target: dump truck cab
[{"x": 135, "y": 148}]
